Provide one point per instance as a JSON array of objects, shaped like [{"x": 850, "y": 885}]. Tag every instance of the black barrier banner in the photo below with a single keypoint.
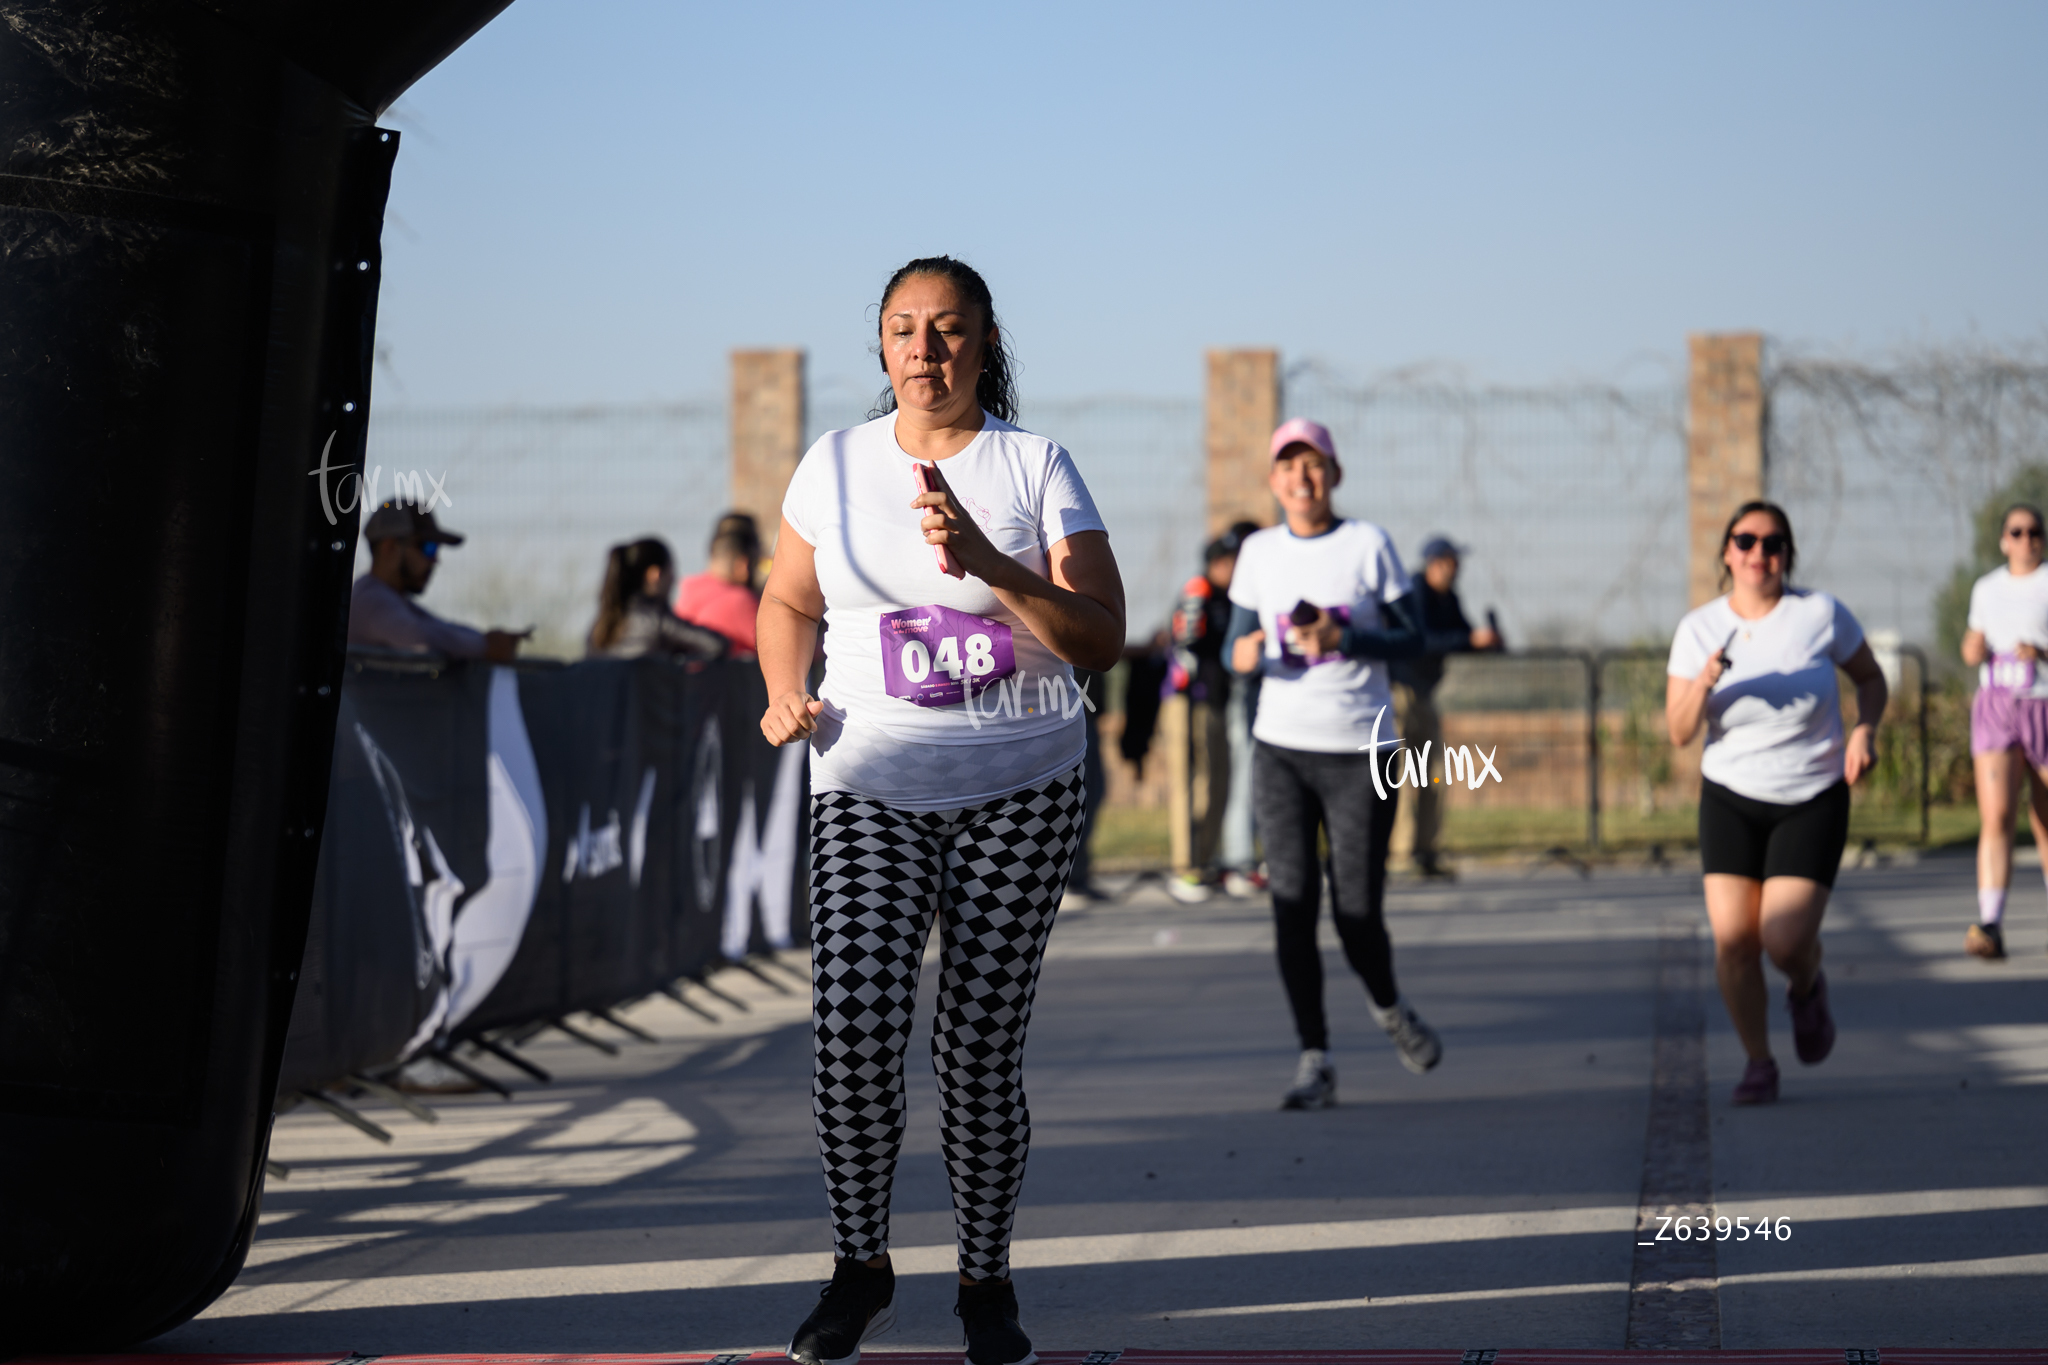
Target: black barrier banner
[{"x": 504, "y": 846}]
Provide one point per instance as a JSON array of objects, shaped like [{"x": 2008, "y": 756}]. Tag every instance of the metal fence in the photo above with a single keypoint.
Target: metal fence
[
  {"x": 1882, "y": 468},
  {"x": 1571, "y": 501},
  {"x": 1586, "y": 763},
  {"x": 543, "y": 492}
]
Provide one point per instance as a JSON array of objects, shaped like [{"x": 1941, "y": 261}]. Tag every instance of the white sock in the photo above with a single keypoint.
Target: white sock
[{"x": 1991, "y": 902}]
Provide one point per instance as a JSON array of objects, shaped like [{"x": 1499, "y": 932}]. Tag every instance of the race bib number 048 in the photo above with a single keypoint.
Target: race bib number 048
[{"x": 935, "y": 656}]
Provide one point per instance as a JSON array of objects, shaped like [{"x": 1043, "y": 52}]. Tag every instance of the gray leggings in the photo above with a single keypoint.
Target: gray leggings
[{"x": 1296, "y": 793}]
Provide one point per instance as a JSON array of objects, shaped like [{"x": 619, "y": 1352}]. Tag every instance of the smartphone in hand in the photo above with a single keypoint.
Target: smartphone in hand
[{"x": 927, "y": 482}]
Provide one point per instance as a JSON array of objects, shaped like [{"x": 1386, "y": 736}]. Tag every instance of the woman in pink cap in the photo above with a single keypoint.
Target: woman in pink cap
[{"x": 1320, "y": 604}]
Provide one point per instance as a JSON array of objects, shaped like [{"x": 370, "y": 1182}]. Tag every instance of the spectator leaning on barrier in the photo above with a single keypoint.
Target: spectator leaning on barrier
[
  {"x": 1192, "y": 723},
  {"x": 1445, "y": 631},
  {"x": 405, "y": 545},
  {"x": 722, "y": 598},
  {"x": 633, "y": 617}
]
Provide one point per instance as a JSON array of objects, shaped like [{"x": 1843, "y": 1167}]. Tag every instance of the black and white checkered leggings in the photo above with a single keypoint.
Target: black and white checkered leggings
[{"x": 993, "y": 874}]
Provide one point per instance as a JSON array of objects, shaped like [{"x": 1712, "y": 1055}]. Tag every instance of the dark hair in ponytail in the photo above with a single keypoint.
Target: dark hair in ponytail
[
  {"x": 995, "y": 390},
  {"x": 625, "y": 578}
]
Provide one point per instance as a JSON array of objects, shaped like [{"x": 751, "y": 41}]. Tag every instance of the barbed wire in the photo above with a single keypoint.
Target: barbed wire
[
  {"x": 1571, "y": 498},
  {"x": 1882, "y": 463}
]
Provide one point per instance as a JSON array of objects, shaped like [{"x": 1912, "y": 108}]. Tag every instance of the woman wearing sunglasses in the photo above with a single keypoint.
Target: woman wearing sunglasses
[
  {"x": 1757, "y": 666},
  {"x": 2007, "y": 638}
]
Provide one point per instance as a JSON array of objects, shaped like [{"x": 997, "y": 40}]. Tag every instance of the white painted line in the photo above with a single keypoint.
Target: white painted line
[
  {"x": 1533, "y": 1291},
  {"x": 257, "y": 1299},
  {"x": 2034, "y": 1266},
  {"x": 253, "y": 1297}
]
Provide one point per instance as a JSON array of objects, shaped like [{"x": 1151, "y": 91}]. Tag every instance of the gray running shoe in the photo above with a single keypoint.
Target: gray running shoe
[
  {"x": 1315, "y": 1083},
  {"x": 1417, "y": 1042}
]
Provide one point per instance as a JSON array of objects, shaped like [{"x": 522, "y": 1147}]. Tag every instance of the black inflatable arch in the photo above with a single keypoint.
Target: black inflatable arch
[{"x": 191, "y": 195}]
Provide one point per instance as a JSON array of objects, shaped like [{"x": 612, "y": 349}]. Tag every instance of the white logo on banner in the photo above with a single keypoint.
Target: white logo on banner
[
  {"x": 475, "y": 944},
  {"x": 636, "y": 844},
  {"x": 710, "y": 764},
  {"x": 594, "y": 852},
  {"x": 493, "y": 921},
  {"x": 765, "y": 867},
  {"x": 430, "y": 913}
]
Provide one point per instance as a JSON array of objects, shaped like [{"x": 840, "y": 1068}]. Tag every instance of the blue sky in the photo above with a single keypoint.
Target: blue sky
[{"x": 594, "y": 201}]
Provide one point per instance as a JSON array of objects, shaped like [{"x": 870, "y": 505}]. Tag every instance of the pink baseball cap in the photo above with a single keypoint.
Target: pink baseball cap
[{"x": 1301, "y": 431}]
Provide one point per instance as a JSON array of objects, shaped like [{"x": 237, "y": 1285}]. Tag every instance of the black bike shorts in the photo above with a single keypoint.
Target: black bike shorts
[{"x": 1762, "y": 839}]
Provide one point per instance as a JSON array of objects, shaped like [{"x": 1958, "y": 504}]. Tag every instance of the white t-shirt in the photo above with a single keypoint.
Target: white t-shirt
[
  {"x": 1774, "y": 720},
  {"x": 1324, "y": 706},
  {"x": 2012, "y": 611},
  {"x": 850, "y": 500}
]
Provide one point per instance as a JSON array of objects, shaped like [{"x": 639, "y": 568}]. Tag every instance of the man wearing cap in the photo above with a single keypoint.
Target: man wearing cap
[
  {"x": 1444, "y": 631},
  {"x": 405, "y": 544}
]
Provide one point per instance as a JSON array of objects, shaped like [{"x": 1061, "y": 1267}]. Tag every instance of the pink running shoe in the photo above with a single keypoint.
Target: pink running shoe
[
  {"x": 1759, "y": 1084},
  {"x": 1813, "y": 1028}
]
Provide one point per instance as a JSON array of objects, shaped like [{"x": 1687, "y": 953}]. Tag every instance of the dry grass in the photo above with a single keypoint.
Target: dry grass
[{"x": 1130, "y": 840}]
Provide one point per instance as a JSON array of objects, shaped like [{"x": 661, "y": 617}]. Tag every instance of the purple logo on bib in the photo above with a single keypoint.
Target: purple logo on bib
[
  {"x": 935, "y": 656},
  {"x": 1292, "y": 659}
]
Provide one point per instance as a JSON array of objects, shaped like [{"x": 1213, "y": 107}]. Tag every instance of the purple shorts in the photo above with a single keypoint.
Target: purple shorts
[{"x": 1999, "y": 720}]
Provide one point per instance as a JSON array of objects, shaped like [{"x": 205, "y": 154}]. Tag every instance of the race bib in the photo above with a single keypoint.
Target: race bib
[
  {"x": 935, "y": 656},
  {"x": 2014, "y": 675}
]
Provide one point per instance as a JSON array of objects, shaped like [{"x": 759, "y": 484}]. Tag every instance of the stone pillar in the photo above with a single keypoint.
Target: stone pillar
[
  {"x": 1724, "y": 446},
  {"x": 1243, "y": 408},
  {"x": 767, "y": 433}
]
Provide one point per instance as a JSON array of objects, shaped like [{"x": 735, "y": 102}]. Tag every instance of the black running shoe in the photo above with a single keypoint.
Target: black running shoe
[
  {"x": 859, "y": 1304},
  {"x": 988, "y": 1315},
  {"x": 1985, "y": 941}
]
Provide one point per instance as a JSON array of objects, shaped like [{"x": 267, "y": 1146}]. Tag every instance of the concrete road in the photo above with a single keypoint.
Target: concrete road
[{"x": 669, "y": 1198}]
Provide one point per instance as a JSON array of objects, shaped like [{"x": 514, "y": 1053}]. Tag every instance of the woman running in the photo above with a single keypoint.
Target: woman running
[
  {"x": 2007, "y": 637},
  {"x": 1757, "y": 665},
  {"x": 1319, "y": 604},
  {"x": 946, "y": 775}
]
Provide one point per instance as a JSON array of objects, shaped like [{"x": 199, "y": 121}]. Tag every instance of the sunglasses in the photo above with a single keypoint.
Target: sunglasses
[
  {"x": 2022, "y": 533},
  {"x": 430, "y": 548},
  {"x": 1745, "y": 541}
]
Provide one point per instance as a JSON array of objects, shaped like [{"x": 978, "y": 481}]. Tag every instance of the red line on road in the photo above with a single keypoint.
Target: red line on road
[{"x": 1491, "y": 1356}]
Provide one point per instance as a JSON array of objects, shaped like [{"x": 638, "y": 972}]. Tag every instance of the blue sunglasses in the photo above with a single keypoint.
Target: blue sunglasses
[{"x": 431, "y": 549}]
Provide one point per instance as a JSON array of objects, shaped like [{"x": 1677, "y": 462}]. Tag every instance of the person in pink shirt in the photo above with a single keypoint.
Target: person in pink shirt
[{"x": 722, "y": 598}]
